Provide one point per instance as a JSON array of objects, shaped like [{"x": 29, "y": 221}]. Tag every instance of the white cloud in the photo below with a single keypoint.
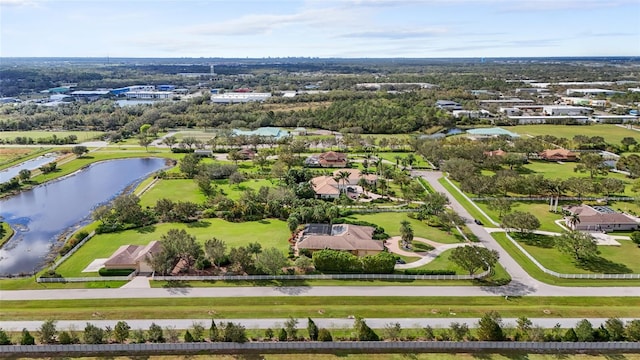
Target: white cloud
[
  {"x": 265, "y": 23},
  {"x": 397, "y": 34}
]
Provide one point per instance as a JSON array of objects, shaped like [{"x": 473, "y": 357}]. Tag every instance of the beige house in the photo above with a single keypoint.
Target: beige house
[
  {"x": 355, "y": 239},
  {"x": 133, "y": 257},
  {"x": 599, "y": 218},
  {"x": 326, "y": 187}
]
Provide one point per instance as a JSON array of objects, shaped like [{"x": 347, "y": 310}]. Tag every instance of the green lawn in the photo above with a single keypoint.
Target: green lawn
[
  {"x": 442, "y": 262},
  {"x": 82, "y": 135},
  {"x": 539, "y": 209},
  {"x": 611, "y": 133},
  {"x": 612, "y": 259},
  {"x": 173, "y": 189},
  {"x": 269, "y": 233},
  {"x": 455, "y": 192},
  {"x": 234, "y": 192},
  {"x": 391, "y": 156},
  {"x": 319, "y": 307},
  {"x": 390, "y": 221},
  {"x": 534, "y": 271}
]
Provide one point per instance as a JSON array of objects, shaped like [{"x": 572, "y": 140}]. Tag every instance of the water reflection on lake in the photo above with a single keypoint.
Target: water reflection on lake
[{"x": 40, "y": 215}]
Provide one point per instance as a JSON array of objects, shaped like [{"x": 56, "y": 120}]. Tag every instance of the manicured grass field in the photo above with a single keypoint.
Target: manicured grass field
[
  {"x": 612, "y": 259},
  {"x": 173, "y": 189},
  {"x": 534, "y": 271},
  {"x": 467, "y": 205},
  {"x": 234, "y": 192},
  {"x": 539, "y": 209},
  {"x": 318, "y": 307},
  {"x": 82, "y": 135},
  {"x": 390, "y": 221},
  {"x": 269, "y": 233},
  {"x": 611, "y": 133},
  {"x": 391, "y": 156}
]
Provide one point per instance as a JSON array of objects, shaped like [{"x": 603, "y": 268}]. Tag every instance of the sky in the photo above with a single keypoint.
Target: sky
[{"x": 319, "y": 28}]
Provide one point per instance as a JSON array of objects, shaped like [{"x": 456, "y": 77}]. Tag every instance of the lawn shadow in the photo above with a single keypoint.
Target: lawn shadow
[
  {"x": 177, "y": 284},
  {"x": 146, "y": 229},
  {"x": 537, "y": 240},
  {"x": 198, "y": 224},
  {"x": 601, "y": 265},
  {"x": 86, "y": 157},
  {"x": 264, "y": 221}
]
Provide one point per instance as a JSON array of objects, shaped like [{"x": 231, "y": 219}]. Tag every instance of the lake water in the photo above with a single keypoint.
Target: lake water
[
  {"x": 7, "y": 174},
  {"x": 41, "y": 215}
]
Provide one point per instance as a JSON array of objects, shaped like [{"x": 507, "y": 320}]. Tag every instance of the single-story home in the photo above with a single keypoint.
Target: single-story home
[
  {"x": 558, "y": 155},
  {"x": 355, "y": 239},
  {"x": 133, "y": 257},
  {"x": 600, "y": 218},
  {"x": 327, "y": 159},
  {"x": 332, "y": 159},
  {"x": 326, "y": 187},
  {"x": 493, "y": 153}
]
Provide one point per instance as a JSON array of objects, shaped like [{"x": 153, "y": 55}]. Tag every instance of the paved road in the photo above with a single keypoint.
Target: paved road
[{"x": 377, "y": 323}]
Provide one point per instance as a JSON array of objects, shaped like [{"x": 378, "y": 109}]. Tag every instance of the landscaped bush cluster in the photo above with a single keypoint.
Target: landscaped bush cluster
[
  {"x": 333, "y": 261},
  {"x": 72, "y": 242},
  {"x": 115, "y": 272}
]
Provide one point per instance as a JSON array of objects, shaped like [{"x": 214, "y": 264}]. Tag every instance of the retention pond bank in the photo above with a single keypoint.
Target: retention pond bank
[{"x": 41, "y": 215}]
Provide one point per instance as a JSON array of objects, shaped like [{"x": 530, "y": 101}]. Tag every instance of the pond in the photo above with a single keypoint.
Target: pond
[
  {"x": 43, "y": 214},
  {"x": 7, "y": 174}
]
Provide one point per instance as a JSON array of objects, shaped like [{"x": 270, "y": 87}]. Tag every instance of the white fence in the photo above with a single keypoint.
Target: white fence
[
  {"x": 274, "y": 277},
  {"x": 536, "y": 262},
  {"x": 323, "y": 277},
  {"x": 569, "y": 276},
  {"x": 72, "y": 251},
  {"x": 323, "y": 347}
]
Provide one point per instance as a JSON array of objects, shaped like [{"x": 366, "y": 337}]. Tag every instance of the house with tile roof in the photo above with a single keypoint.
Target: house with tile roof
[
  {"x": 356, "y": 239},
  {"x": 599, "y": 218},
  {"x": 133, "y": 257},
  {"x": 558, "y": 155}
]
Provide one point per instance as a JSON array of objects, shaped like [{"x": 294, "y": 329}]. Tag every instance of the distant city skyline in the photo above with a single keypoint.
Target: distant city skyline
[{"x": 319, "y": 28}]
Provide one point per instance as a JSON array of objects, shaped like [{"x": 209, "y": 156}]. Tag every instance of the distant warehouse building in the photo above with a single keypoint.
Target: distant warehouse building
[
  {"x": 90, "y": 95},
  {"x": 152, "y": 95},
  {"x": 593, "y": 92},
  {"x": 554, "y": 110},
  {"x": 232, "y": 98}
]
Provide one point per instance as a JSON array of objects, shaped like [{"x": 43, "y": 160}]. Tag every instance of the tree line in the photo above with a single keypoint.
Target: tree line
[{"x": 490, "y": 327}]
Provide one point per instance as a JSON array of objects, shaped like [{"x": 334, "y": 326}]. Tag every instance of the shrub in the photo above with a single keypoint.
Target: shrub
[
  {"x": 324, "y": 335},
  {"x": 115, "y": 272}
]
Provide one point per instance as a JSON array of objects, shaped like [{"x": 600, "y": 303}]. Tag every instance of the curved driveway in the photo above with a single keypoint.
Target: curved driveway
[{"x": 521, "y": 284}]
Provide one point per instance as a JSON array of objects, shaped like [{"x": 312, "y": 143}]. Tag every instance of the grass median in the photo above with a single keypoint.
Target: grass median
[{"x": 319, "y": 307}]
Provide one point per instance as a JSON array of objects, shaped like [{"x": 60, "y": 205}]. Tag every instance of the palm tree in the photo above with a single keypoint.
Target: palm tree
[
  {"x": 344, "y": 177},
  {"x": 406, "y": 233},
  {"x": 398, "y": 158},
  {"x": 573, "y": 220}
]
